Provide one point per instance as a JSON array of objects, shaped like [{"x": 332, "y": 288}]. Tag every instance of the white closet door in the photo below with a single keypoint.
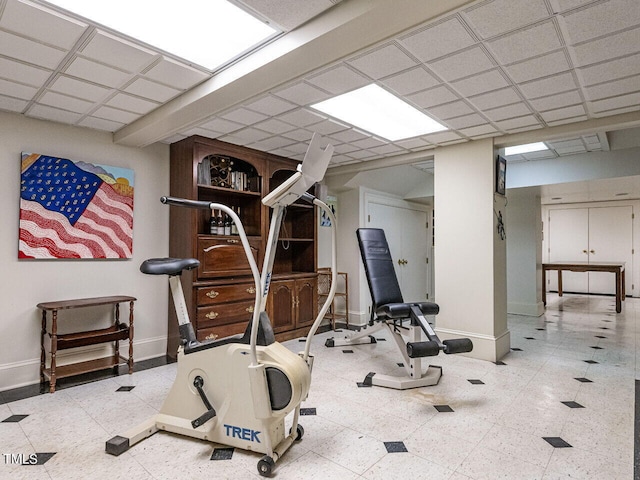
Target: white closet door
[
  {"x": 569, "y": 242},
  {"x": 406, "y": 232},
  {"x": 610, "y": 240}
]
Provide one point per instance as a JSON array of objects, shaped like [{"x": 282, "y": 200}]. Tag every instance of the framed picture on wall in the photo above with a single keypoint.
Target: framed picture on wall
[{"x": 501, "y": 175}]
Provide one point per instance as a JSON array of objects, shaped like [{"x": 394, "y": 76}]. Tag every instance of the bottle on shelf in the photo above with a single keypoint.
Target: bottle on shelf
[
  {"x": 220, "y": 223},
  {"x": 227, "y": 224},
  {"x": 213, "y": 223},
  {"x": 234, "y": 227}
]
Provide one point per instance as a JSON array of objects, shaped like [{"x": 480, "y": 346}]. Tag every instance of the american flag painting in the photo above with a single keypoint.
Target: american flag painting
[{"x": 74, "y": 209}]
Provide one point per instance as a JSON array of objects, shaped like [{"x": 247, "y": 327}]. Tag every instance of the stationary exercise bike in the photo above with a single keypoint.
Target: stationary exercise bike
[{"x": 238, "y": 390}]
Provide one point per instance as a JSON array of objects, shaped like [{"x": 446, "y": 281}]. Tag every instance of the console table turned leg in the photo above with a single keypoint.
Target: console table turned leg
[
  {"x": 130, "y": 337},
  {"x": 43, "y": 357},
  {"x": 54, "y": 349}
]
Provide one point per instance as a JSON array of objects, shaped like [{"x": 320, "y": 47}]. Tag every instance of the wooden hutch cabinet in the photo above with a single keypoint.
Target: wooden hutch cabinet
[{"x": 220, "y": 294}]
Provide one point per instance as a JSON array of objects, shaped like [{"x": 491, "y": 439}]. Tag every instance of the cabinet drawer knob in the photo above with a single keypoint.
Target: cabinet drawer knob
[
  {"x": 231, "y": 240},
  {"x": 211, "y": 336},
  {"x": 212, "y": 294},
  {"x": 249, "y": 309},
  {"x": 251, "y": 290},
  {"x": 211, "y": 315}
]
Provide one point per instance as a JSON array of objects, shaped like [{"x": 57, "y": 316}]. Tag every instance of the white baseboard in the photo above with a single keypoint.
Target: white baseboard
[
  {"x": 27, "y": 372},
  {"x": 485, "y": 347},
  {"x": 528, "y": 309}
]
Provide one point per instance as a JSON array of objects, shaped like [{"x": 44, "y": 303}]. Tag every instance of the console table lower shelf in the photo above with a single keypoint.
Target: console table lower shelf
[{"x": 114, "y": 333}]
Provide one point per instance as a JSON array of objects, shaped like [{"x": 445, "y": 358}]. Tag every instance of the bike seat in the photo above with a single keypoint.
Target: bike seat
[{"x": 168, "y": 266}]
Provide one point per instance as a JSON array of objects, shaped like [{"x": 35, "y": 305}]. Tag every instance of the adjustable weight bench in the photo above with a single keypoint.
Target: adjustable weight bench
[{"x": 389, "y": 311}]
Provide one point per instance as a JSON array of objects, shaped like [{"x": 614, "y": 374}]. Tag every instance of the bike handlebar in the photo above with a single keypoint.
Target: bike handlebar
[{"x": 183, "y": 202}]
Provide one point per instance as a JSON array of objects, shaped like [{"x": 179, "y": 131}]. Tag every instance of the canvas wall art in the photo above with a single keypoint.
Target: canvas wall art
[{"x": 74, "y": 209}]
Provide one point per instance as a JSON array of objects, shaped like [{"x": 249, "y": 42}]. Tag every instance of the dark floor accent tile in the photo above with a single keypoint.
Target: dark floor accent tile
[
  {"x": 549, "y": 321},
  {"x": 500, "y": 362},
  {"x": 41, "y": 458},
  {"x": 516, "y": 349},
  {"x": 400, "y": 364},
  {"x": 572, "y": 404},
  {"x": 608, "y": 321},
  {"x": 604, "y": 328},
  {"x": 600, "y": 336},
  {"x": 395, "y": 447},
  {"x": 362, "y": 385},
  {"x": 590, "y": 361},
  {"x": 126, "y": 388},
  {"x": 595, "y": 347},
  {"x": 302, "y": 340},
  {"x": 443, "y": 408},
  {"x": 556, "y": 442},
  {"x": 14, "y": 418},
  {"x": 222, "y": 453},
  {"x": 347, "y": 351},
  {"x": 381, "y": 339},
  {"x": 338, "y": 331},
  {"x": 308, "y": 411},
  {"x": 541, "y": 329},
  {"x": 475, "y": 381},
  {"x": 583, "y": 380},
  {"x": 530, "y": 338}
]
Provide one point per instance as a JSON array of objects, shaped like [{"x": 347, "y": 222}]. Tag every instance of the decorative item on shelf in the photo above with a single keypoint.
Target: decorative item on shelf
[{"x": 220, "y": 170}]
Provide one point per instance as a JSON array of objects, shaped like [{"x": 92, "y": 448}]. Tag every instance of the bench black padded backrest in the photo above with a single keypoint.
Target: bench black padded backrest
[{"x": 378, "y": 266}]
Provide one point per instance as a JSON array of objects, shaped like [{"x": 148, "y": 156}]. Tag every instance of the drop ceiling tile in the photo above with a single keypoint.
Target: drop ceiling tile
[
  {"x": 106, "y": 48},
  {"x": 221, "y": 125},
  {"x": 496, "y": 98},
  {"x": 302, "y": 94},
  {"x": 562, "y": 113},
  {"x": 570, "y": 142},
  {"x": 272, "y": 143},
  {"x": 509, "y": 111},
  {"x": 17, "y": 90},
  {"x": 526, "y": 43},
  {"x": 12, "y": 104},
  {"x": 526, "y": 128},
  {"x": 602, "y": 18},
  {"x": 244, "y": 117},
  {"x": 297, "y": 148},
  {"x": 480, "y": 130},
  {"x": 115, "y": 115},
  {"x": 78, "y": 88},
  {"x": 612, "y": 89},
  {"x": 132, "y": 104},
  {"x": 515, "y": 124},
  {"x": 433, "y": 97},
  {"x": 604, "y": 72},
  {"x": 499, "y": 16},
  {"x": 410, "y": 81},
  {"x": 591, "y": 139},
  {"x": 564, "y": 5},
  {"x": 53, "y": 114},
  {"x": 65, "y": 102},
  {"x": 101, "y": 124},
  {"x": 175, "y": 74},
  {"x": 442, "y": 137},
  {"x": 151, "y": 90},
  {"x": 337, "y": 80},
  {"x": 466, "y": 121},
  {"x": 233, "y": 139},
  {"x": 622, "y": 101},
  {"x": 541, "y": 155},
  {"x": 389, "y": 149},
  {"x": 301, "y": 135},
  {"x": 438, "y": 40},
  {"x": 414, "y": 143},
  {"x": 361, "y": 154},
  {"x": 462, "y": 64},
  {"x": 13, "y": 46},
  {"x": 173, "y": 139},
  {"x": 96, "y": 73},
  {"x": 271, "y": 106},
  {"x": 301, "y": 118},
  {"x": 450, "y": 110},
  {"x": 556, "y": 101},
  {"x": 515, "y": 158},
  {"x": 274, "y": 126},
  {"x": 19, "y": 72},
  {"x": 481, "y": 83},
  {"x": 42, "y": 24},
  {"x": 348, "y": 136},
  {"x": 570, "y": 150},
  {"x": 618, "y": 111},
  {"x": 383, "y": 62},
  {"x": 539, "y": 67},
  {"x": 603, "y": 49},
  {"x": 251, "y": 135},
  {"x": 344, "y": 148},
  {"x": 327, "y": 127},
  {"x": 369, "y": 143},
  {"x": 203, "y": 132},
  {"x": 341, "y": 160},
  {"x": 563, "y": 82}
]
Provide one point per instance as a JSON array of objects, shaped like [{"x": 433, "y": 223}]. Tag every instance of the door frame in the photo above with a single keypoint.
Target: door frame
[{"x": 633, "y": 274}]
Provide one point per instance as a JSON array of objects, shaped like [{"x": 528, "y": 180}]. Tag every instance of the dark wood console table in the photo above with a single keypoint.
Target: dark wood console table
[
  {"x": 116, "y": 332},
  {"x": 617, "y": 268}
]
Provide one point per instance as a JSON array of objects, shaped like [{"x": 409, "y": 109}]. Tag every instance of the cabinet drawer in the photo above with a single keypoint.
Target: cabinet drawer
[
  {"x": 224, "y": 314},
  {"x": 217, "y": 294},
  {"x": 224, "y": 256},
  {"x": 213, "y": 333}
]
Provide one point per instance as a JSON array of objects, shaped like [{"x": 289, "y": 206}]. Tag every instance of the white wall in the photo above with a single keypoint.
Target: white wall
[{"x": 26, "y": 283}]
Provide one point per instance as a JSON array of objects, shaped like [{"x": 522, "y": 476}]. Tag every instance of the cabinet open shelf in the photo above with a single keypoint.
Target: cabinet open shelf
[
  {"x": 203, "y": 189},
  {"x": 92, "y": 337},
  {"x": 95, "y": 365}
]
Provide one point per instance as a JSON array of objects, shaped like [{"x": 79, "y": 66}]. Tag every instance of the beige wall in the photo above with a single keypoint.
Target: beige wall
[{"x": 25, "y": 283}]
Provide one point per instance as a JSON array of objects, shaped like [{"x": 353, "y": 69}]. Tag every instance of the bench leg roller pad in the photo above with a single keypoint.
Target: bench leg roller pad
[
  {"x": 422, "y": 349},
  {"x": 117, "y": 445},
  {"x": 457, "y": 345}
]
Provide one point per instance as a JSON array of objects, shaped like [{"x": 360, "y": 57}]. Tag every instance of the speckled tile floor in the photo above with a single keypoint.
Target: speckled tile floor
[{"x": 562, "y": 406}]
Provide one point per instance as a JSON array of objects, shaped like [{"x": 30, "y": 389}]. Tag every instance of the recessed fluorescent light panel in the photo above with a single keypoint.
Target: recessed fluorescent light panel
[
  {"x": 375, "y": 110},
  {"x": 206, "y": 32},
  {"x": 527, "y": 148}
]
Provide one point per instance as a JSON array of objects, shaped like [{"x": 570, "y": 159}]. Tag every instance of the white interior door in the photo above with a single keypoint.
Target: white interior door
[
  {"x": 569, "y": 242},
  {"x": 611, "y": 241},
  {"x": 406, "y": 232}
]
